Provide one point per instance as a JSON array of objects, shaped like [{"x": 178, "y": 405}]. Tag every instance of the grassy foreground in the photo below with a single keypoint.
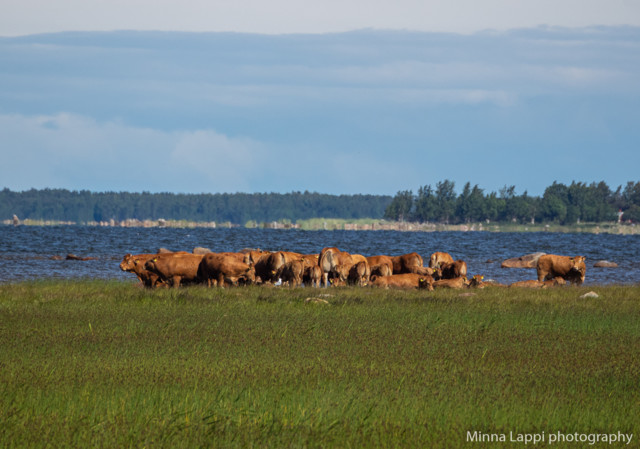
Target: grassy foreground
[{"x": 107, "y": 364}]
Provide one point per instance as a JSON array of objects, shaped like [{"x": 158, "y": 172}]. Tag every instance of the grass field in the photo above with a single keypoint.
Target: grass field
[{"x": 107, "y": 364}]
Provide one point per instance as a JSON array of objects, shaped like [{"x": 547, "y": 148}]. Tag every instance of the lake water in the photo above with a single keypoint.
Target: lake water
[{"x": 26, "y": 251}]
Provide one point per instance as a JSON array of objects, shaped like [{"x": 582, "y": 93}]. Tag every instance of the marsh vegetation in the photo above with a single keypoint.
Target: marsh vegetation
[{"x": 107, "y": 364}]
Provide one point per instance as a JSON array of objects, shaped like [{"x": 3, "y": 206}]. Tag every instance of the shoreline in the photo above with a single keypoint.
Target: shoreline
[{"x": 334, "y": 224}]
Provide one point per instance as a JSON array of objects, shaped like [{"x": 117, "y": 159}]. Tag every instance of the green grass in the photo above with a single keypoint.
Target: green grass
[{"x": 108, "y": 364}]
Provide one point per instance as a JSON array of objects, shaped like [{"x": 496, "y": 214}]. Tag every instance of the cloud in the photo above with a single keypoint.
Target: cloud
[
  {"x": 71, "y": 151},
  {"x": 359, "y": 112},
  {"x": 217, "y": 161}
]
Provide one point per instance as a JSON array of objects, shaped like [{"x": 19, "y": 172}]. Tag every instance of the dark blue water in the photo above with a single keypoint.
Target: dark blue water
[{"x": 26, "y": 251}]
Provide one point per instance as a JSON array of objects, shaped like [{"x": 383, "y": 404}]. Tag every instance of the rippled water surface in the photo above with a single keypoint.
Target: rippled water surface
[{"x": 26, "y": 251}]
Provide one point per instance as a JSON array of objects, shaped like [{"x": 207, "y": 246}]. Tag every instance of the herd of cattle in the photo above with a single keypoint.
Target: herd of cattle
[{"x": 331, "y": 267}]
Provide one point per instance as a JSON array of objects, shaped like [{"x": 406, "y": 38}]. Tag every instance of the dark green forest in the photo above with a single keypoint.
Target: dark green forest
[
  {"x": 238, "y": 208},
  {"x": 561, "y": 204}
]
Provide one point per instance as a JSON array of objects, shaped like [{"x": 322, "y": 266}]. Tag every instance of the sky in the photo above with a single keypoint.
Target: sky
[
  {"x": 333, "y": 97},
  {"x": 22, "y": 17}
]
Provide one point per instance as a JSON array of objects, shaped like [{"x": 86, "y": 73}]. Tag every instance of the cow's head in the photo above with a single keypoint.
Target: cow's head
[
  {"x": 476, "y": 281},
  {"x": 249, "y": 276},
  {"x": 577, "y": 264},
  {"x": 425, "y": 283},
  {"x": 341, "y": 272},
  {"x": 578, "y": 269},
  {"x": 126, "y": 262}
]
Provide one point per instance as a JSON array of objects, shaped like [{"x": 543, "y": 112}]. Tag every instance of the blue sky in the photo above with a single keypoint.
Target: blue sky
[{"x": 370, "y": 103}]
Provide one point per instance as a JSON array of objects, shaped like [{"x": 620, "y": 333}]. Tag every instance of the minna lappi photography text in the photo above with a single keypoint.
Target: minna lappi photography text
[{"x": 550, "y": 438}]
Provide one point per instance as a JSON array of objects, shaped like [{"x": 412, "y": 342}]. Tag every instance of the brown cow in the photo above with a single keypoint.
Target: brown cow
[
  {"x": 403, "y": 281},
  {"x": 407, "y": 263},
  {"x": 380, "y": 261},
  {"x": 539, "y": 284},
  {"x": 216, "y": 268},
  {"x": 312, "y": 276},
  {"x": 426, "y": 271},
  {"x": 360, "y": 273},
  {"x": 310, "y": 259},
  {"x": 460, "y": 282},
  {"x": 477, "y": 281},
  {"x": 531, "y": 283},
  {"x": 128, "y": 261},
  {"x": 571, "y": 269},
  {"x": 339, "y": 275},
  {"x": 439, "y": 258},
  {"x": 328, "y": 259},
  {"x": 381, "y": 270},
  {"x": 453, "y": 270},
  {"x": 237, "y": 256},
  {"x": 291, "y": 273},
  {"x": 272, "y": 263},
  {"x": 135, "y": 264},
  {"x": 258, "y": 260},
  {"x": 175, "y": 268}
]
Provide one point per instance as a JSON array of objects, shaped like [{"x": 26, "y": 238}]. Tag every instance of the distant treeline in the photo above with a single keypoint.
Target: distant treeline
[
  {"x": 238, "y": 208},
  {"x": 560, "y": 203}
]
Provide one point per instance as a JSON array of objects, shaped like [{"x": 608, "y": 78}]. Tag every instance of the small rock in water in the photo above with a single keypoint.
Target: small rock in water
[
  {"x": 528, "y": 261},
  {"x": 605, "y": 264},
  {"x": 590, "y": 295}
]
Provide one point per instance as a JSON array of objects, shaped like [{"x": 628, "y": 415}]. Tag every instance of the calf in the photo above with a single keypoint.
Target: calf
[
  {"x": 402, "y": 281},
  {"x": 384, "y": 263},
  {"x": 312, "y": 276},
  {"x": 540, "y": 284},
  {"x": 459, "y": 282},
  {"x": 381, "y": 270},
  {"x": 291, "y": 273},
  {"x": 360, "y": 273}
]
